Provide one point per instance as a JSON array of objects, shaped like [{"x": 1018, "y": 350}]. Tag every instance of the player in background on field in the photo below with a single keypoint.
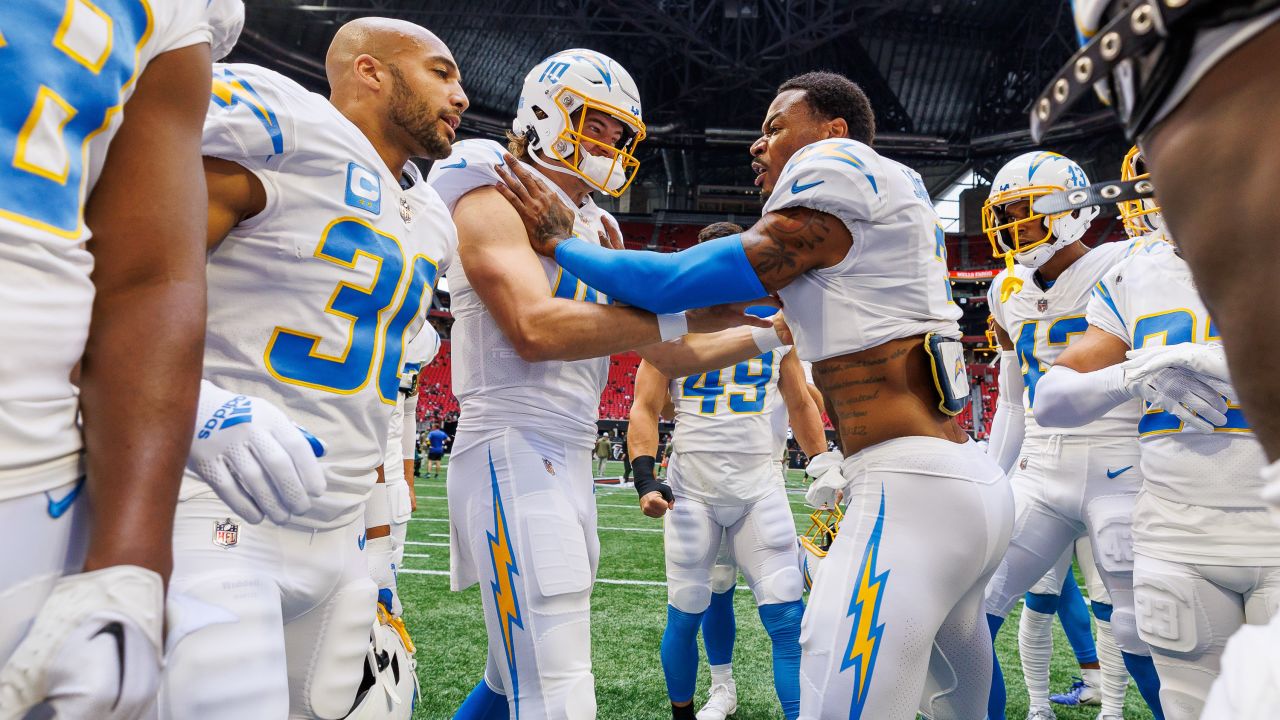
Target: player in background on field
[
  {"x": 324, "y": 247},
  {"x": 435, "y": 449},
  {"x": 1206, "y": 553},
  {"x": 102, "y": 303},
  {"x": 1067, "y": 483},
  {"x": 877, "y": 320}
]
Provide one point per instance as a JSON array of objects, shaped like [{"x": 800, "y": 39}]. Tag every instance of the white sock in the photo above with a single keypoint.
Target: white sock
[
  {"x": 722, "y": 674},
  {"x": 1035, "y": 645},
  {"x": 1115, "y": 678},
  {"x": 1092, "y": 677}
]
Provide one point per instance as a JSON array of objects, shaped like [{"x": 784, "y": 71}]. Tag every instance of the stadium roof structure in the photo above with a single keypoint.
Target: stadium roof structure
[{"x": 950, "y": 80}]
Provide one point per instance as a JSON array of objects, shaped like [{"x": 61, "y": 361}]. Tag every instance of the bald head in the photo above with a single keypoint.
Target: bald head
[{"x": 383, "y": 38}]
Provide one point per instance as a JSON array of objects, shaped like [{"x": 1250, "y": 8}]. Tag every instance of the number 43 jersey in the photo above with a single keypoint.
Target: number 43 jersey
[
  {"x": 725, "y": 437},
  {"x": 312, "y": 301},
  {"x": 1041, "y": 322},
  {"x": 68, "y": 69}
]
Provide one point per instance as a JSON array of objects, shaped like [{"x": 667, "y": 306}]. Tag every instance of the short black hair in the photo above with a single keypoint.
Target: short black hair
[
  {"x": 832, "y": 95},
  {"x": 718, "y": 230}
]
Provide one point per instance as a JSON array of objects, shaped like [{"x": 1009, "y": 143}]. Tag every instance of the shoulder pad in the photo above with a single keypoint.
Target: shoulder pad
[
  {"x": 250, "y": 113},
  {"x": 838, "y": 176},
  {"x": 470, "y": 166}
]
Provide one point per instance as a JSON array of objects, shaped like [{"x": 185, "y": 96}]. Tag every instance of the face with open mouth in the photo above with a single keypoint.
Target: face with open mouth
[
  {"x": 427, "y": 100},
  {"x": 789, "y": 125}
]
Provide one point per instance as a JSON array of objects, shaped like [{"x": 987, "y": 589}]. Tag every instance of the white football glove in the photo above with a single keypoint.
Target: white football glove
[
  {"x": 93, "y": 650},
  {"x": 828, "y": 485},
  {"x": 1207, "y": 360},
  {"x": 380, "y": 553},
  {"x": 1196, "y": 400},
  {"x": 254, "y": 457}
]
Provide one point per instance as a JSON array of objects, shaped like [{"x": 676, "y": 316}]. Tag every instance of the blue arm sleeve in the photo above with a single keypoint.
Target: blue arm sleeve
[{"x": 712, "y": 273}]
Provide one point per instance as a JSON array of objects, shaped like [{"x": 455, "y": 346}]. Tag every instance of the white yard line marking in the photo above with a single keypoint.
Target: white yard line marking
[
  {"x": 427, "y": 544},
  {"x": 599, "y": 581},
  {"x": 415, "y": 555}
]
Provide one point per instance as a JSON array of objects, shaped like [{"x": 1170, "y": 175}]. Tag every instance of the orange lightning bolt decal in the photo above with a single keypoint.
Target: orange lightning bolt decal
[
  {"x": 505, "y": 602},
  {"x": 864, "y": 608}
]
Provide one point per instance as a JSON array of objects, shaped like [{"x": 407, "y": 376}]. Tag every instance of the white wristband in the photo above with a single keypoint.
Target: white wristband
[
  {"x": 377, "y": 509},
  {"x": 673, "y": 326},
  {"x": 766, "y": 338}
]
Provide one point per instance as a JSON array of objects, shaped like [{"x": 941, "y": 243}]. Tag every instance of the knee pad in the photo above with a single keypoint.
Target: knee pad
[
  {"x": 580, "y": 699},
  {"x": 1111, "y": 517},
  {"x": 723, "y": 578},
  {"x": 1264, "y": 603},
  {"x": 783, "y": 585},
  {"x": 1167, "y": 616},
  {"x": 326, "y": 683}
]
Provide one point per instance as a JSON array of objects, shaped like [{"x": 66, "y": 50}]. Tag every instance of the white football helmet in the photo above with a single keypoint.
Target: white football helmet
[
  {"x": 1141, "y": 217},
  {"x": 552, "y": 113},
  {"x": 824, "y": 524},
  {"x": 1023, "y": 179},
  {"x": 389, "y": 690}
]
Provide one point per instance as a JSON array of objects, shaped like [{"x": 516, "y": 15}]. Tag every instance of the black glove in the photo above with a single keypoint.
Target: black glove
[{"x": 645, "y": 480}]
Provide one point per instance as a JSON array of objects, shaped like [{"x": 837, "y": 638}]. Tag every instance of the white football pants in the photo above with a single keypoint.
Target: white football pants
[
  {"x": 895, "y": 619},
  {"x": 522, "y": 523}
]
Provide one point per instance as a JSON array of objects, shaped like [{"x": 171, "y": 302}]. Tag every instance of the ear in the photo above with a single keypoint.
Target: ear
[
  {"x": 370, "y": 72},
  {"x": 837, "y": 128}
]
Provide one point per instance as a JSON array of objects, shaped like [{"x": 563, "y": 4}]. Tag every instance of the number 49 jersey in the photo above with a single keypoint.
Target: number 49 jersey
[
  {"x": 725, "y": 439},
  {"x": 1042, "y": 322},
  {"x": 68, "y": 69},
  {"x": 312, "y": 301}
]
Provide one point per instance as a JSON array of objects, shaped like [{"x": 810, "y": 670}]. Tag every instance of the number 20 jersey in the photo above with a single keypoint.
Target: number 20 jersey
[
  {"x": 312, "y": 301},
  {"x": 68, "y": 69},
  {"x": 726, "y": 434},
  {"x": 1041, "y": 322}
]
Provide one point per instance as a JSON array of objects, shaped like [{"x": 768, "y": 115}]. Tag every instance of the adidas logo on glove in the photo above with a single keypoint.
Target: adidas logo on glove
[{"x": 238, "y": 409}]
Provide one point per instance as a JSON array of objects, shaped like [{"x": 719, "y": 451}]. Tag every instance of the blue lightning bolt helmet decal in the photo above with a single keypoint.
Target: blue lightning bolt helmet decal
[
  {"x": 864, "y": 608},
  {"x": 506, "y": 604}
]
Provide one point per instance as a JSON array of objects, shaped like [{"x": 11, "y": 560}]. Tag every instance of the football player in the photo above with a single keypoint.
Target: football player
[
  {"x": 398, "y": 462},
  {"x": 900, "y": 593},
  {"x": 1067, "y": 483},
  {"x": 1206, "y": 555},
  {"x": 725, "y": 483},
  {"x": 531, "y": 345},
  {"x": 1190, "y": 87},
  {"x": 325, "y": 245},
  {"x": 101, "y": 320}
]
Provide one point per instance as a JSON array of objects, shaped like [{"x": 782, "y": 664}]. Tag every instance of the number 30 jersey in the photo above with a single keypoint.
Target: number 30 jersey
[
  {"x": 725, "y": 436},
  {"x": 68, "y": 69},
  {"x": 1041, "y": 322},
  {"x": 312, "y": 301},
  {"x": 496, "y": 388}
]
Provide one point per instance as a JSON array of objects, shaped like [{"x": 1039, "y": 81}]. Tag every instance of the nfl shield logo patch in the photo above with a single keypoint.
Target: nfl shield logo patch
[
  {"x": 551, "y": 469},
  {"x": 226, "y": 533},
  {"x": 1022, "y": 465},
  {"x": 1042, "y": 305}
]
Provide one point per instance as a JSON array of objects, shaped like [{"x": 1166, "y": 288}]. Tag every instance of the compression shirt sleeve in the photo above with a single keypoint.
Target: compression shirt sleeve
[
  {"x": 1009, "y": 424},
  {"x": 711, "y": 273},
  {"x": 1066, "y": 398}
]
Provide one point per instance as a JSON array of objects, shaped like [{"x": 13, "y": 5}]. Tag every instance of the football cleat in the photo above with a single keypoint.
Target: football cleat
[
  {"x": 722, "y": 702},
  {"x": 816, "y": 541},
  {"x": 1043, "y": 713},
  {"x": 389, "y": 689},
  {"x": 552, "y": 115},
  {"x": 1015, "y": 229},
  {"x": 1081, "y": 693}
]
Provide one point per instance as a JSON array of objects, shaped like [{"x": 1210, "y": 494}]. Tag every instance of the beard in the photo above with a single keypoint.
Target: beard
[{"x": 417, "y": 120}]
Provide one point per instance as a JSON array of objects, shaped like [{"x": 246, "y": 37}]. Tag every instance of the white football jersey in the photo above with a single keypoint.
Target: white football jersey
[
  {"x": 1150, "y": 299},
  {"x": 1042, "y": 322},
  {"x": 495, "y": 388},
  {"x": 893, "y": 283},
  {"x": 69, "y": 68},
  {"x": 726, "y": 431},
  {"x": 312, "y": 301}
]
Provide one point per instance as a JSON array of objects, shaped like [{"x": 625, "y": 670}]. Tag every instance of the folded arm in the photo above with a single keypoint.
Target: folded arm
[{"x": 1085, "y": 383}]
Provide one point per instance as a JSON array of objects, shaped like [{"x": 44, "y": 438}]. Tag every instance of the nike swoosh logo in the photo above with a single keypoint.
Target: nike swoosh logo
[
  {"x": 360, "y": 541},
  {"x": 115, "y": 630},
  {"x": 797, "y": 188},
  {"x": 57, "y": 508},
  {"x": 459, "y": 165},
  {"x": 1118, "y": 473}
]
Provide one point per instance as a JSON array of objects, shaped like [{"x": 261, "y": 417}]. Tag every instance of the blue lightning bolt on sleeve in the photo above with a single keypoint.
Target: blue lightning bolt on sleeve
[{"x": 712, "y": 273}]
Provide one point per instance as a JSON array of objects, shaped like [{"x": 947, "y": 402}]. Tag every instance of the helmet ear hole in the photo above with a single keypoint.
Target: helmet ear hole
[{"x": 538, "y": 113}]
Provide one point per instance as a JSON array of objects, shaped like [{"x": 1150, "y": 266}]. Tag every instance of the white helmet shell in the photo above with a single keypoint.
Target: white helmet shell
[
  {"x": 1027, "y": 177},
  {"x": 562, "y": 85},
  {"x": 390, "y": 688}
]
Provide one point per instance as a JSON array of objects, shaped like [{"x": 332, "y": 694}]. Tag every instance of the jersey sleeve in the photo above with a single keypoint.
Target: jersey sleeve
[
  {"x": 838, "y": 177},
  {"x": 993, "y": 300},
  {"x": 250, "y": 118},
  {"x": 471, "y": 165},
  {"x": 183, "y": 23},
  {"x": 1102, "y": 311}
]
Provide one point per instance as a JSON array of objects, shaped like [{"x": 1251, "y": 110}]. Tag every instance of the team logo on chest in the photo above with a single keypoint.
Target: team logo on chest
[
  {"x": 1042, "y": 305},
  {"x": 364, "y": 189},
  {"x": 226, "y": 533}
]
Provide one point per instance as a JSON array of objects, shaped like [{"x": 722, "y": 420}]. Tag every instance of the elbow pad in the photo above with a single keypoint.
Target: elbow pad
[{"x": 712, "y": 273}]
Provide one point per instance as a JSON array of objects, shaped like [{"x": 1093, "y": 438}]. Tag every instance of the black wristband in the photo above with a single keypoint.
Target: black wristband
[{"x": 645, "y": 480}]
